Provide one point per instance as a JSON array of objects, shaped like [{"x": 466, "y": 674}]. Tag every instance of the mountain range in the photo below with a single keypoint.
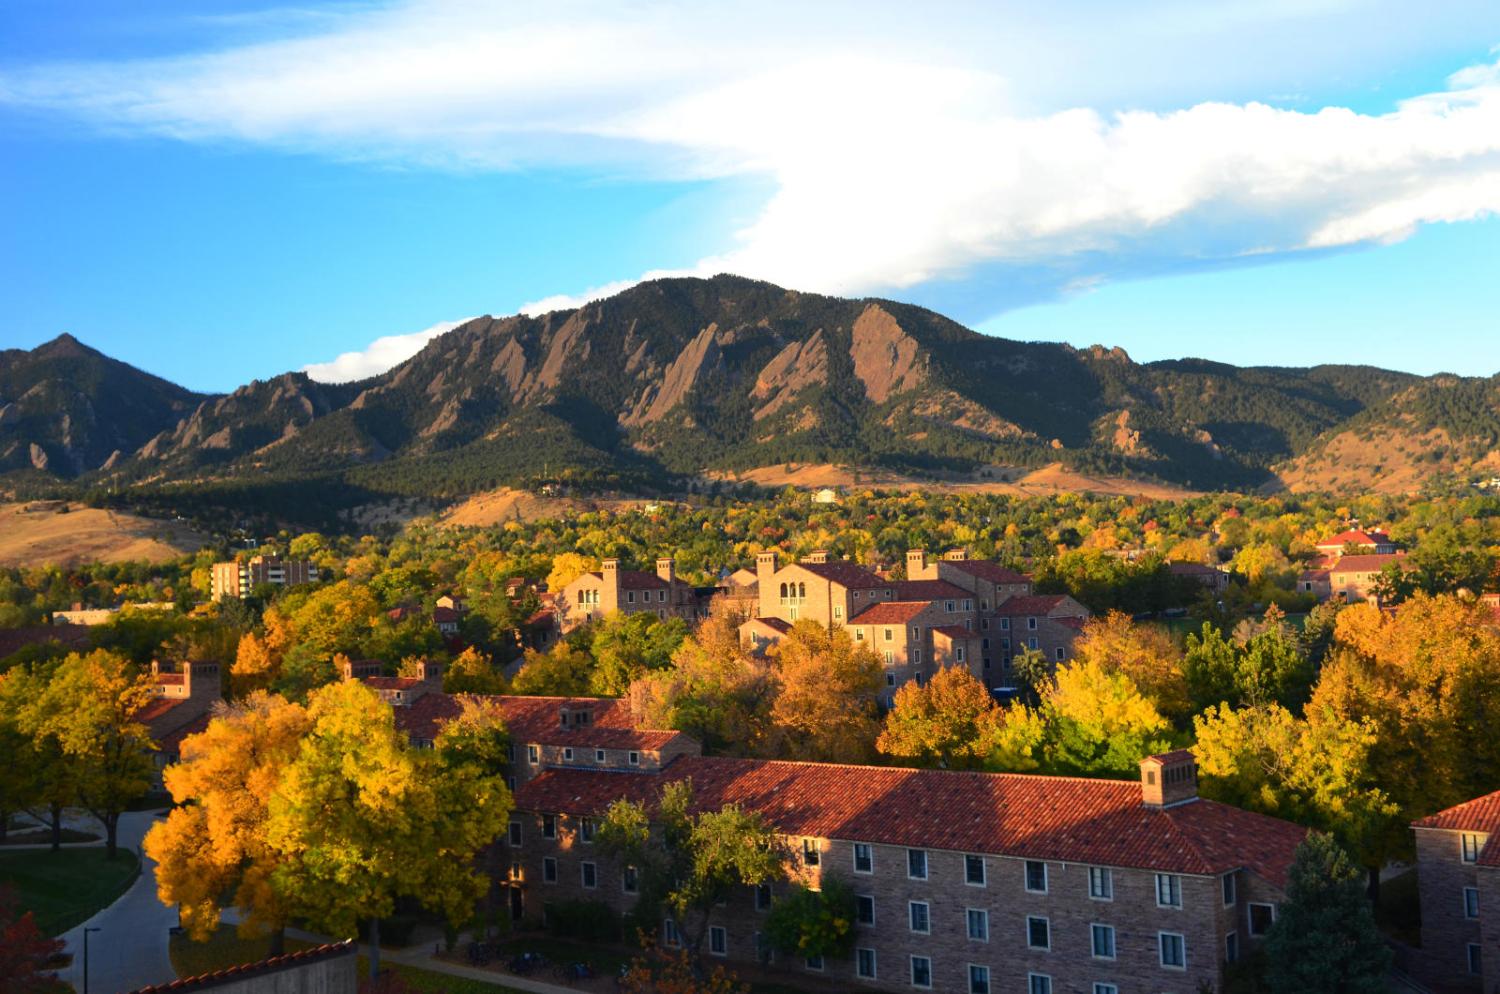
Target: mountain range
[{"x": 686, "y": 378}]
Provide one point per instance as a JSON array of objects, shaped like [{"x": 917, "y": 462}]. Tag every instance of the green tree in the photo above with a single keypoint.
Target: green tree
[
  {"x": 714, "y": 690},
  {"x": 689, "y": 861},
  {"x": 562, "y": 671},
  {"x": 1325, "y": 940},
  {"x": 626, "y": 646},
  {"x": 826, "y": 689},
  {"x": 808, "y": 922}
]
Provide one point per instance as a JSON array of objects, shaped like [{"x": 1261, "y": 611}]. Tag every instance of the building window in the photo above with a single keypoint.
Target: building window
[
  {"x": 1031, "y": 643},
  {"x": 669, "y": 935},
  {"x": 810, "y": 853},
  {"x": 974, "y": 870},
  {"x": 1471, "y": 846},
  {"x": 921, "y": 971},
  {"x": 890, "y": 679},
  {"x": 864, "y": 858},
  {"x": 598, "y": 755},
  {"x": 979, "y": 979},
  {"x": 762, "y": 897},
  {"x": 864, "y": 909},
  {"x": 1059, "y": 653},
  {"x": 1475, "y": 965},
  {"x": 1005, "y": 624},
  {"x": 1106, "y": 989},
  {"x": 1038, "y": 933},
  {"x": 814, "y": 963},
  {"x": 1228, "y": 885},
  {"x": 864, "y": 964},
  {"x": 515, "y": 833},
  {"x": 568, "y": 754},
  {"x": 1036, "y": 876},
  {"x": 889, "y": 635},
  {"x": 979, "y": 924},
  {"x": 947, "y": 607},
  {"x": 838, "y": 610},
  {"x": 1168, "y": 890},
  {"x": 916, "y": 864},
  {"x": 890, "y": 658},
  {"x": 958, "y": 653},
  {"x": 916, "y": 655},
  {"x": 510, "y": 752},
  {"x": 549, "y": 869},
  {"x": 1232, "y": 947},
  {"x": 718, "y": 941},
  {"x": 532, "y": 755},
  {"x": 1173, "y": 950},
  {"x": 1038, "y": 983},
  {"x": 630, "y": 880},
  {"x": 1471, "y": 902},
  {"x": 920, "y": 917},
  {"x": 1103, "y": 938},
  {"x": 630, "y": 597},
  {"x": 1101, "y": 883},
  {"x": 916, "y": 633},
  {"x": 1262, "y": 916},
  {"x": 635, "y": 759},
  {"x": 859, "y": 634},
  {"x": 586, "y": 829},
  {"x": 549, "y": 826},
  {"x": 589, "y": 875}
]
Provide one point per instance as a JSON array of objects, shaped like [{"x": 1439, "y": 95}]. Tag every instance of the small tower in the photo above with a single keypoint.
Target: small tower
[{"x": 1169, "y": 779}]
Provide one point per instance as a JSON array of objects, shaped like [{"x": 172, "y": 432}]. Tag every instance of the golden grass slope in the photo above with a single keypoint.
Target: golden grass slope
[{"x": 47, "y": 534}]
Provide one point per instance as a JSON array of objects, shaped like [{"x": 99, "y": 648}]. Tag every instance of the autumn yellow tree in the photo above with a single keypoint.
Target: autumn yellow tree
[
  {"x": 255, "y": 666},
  {"x": 473, "y": 672},
  {"x": 1144, "y": 653},
  {"x": 567, "y": 567},
  {"x": 715, "y": 690},
  {"x": 88, "y": 711},
  {"x": 826, "y": 689},
  {"x": 214, "y": 842},
  {"x": 950, "y": 721},
  {"x": 359, "y": 818}
]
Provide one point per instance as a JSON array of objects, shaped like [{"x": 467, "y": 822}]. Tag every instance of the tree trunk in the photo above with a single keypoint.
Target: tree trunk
[
  {"x": 4, "y": 826},
  {"x": 111, "y": 835},
  {"x": 278, "y": 942},
  {"x": 1372, "y": 891},
  {"x": 374, "y": 948},
  {"x": 56, "y": 819}
]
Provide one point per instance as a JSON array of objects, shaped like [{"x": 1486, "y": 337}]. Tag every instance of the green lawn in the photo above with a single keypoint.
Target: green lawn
[
  {"x": 43, "y": 836},
  {"x": 66, "y": 888}
]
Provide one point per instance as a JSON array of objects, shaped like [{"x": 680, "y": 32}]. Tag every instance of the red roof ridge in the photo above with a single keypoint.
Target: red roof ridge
[
  {"x": 1485, "y": 806},
  {"x": 247, "y": 969}
]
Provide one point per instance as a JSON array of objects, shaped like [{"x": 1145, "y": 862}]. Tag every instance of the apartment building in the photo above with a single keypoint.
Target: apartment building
[
  {"x": 1354, "y": 577},
  {"x": 1458, "y": 881},
  {"x": 610, "y": 588},
  {"x": 951, "y": 611},
  {"x": 968, "y": 883},
  {"x": 237, "y": 578},
  {"x": 185, "y": 696}
]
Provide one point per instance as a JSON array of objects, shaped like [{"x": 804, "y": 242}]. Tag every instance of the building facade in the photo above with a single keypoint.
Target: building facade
[
  {"x": 1458, "y": 881},
  {"x": 237, "y": 578},
  {"x": 967, "y": 882},
  {"x": 611, "y": 588}
]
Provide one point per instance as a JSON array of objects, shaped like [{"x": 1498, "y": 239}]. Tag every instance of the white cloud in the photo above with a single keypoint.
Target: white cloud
[
  {"x": 904, "y": 149},
  {"x": 380, "y": 355}
]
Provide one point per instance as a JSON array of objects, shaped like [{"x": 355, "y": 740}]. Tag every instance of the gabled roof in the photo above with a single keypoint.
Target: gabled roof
[
  {"x": 929, "y": 590},
  {"x": 1038, "y": 605},
  {"x": 1355, "y": 536},
  {"x": 1075, "y": 820},
  {"x": 1369, "y": 564},
  {"x": 442, "y": 614},
  {"x": 634, "y": 579},
  {"x": 846, "y": 574},
  {"x": 1481, "y": 815},
  {"x": 890, "y": 613},
  {"x": 954, "y": 632},
  {"x": 776, "y": 624},
  {"x": 986, "y": 569},
  {"x": 390, "y": 682},
  {"x": 1193, "y": 569}
]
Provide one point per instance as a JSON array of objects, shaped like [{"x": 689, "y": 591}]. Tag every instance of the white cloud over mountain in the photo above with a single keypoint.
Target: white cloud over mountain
[
  {"x": 377, "y": 357},
  {"x": 1074, "y": 145}
]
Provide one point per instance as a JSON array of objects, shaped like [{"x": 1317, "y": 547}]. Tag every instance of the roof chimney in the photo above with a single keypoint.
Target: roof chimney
[
  {"x": 766, "y": 565},
  {"x": 916, "y": 563},
  {"x": 818, "y": 556},
  {"x": 666, "y": 569},
  {"x": 1169, "y": 779},
  {"x": 957, "y": 555}
]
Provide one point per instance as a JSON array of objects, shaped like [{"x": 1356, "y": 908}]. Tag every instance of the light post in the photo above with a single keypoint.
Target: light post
[{"x": 86, "y": 932}]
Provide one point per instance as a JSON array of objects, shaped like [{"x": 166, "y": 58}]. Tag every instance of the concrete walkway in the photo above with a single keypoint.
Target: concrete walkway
[{"x": 130, "y": 948}]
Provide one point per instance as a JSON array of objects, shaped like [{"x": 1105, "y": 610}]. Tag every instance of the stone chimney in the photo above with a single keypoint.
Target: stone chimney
[
  {"x": 201, "y": 680},
  {"x": 766, "y": 565},
  {"x": 817, "y": 556},
  {"x": 431, "y": 673},
  {"x": 1169, "y": 779},
  {"x": 666, "y": 568},
  {"x": 956, "y": 555},
  {"x": 916, "y": 563}
]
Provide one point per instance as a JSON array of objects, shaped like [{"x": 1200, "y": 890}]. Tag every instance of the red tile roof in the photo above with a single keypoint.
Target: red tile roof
[
  {"x": 1192, "y": 569},
  {"x": 1369, "y": 564},
  {"x": 890, "y": 613},
  {"x": 774, "y": 623},
  {"x": 1479, "y": 815},
  {"x": 158, "y": 709},
  {"x": 171, "y": 742},
  {"x": 1355, "y": 537},
  {"x": 168, "y": 679},
  {"x": 928, "y": 590},
  {"x": 954, "y": 632},
  {"x": 846, "y": 574},
  {"x": 244, "y": 971},
  {"x": 442, "y": 614},
  {"x": 391, "y": 682},
  {"x": 538, "y": 720},
  {"x": 631, "y": 579},
  {"x": 1039, "y": 605},
  {"x": 1102, "y": 822},
  {"x": 985, "y": 569}
]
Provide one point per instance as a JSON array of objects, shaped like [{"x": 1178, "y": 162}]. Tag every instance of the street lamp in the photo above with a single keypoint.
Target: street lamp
[{"x": 86, "y": 932}]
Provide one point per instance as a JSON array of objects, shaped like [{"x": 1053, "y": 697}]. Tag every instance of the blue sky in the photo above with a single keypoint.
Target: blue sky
[{"x": 217, "y": 192}]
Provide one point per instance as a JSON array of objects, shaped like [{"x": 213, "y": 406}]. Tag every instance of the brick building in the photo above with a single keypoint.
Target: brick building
[
  {"x": 237, "y": 578},
  {"x": 185, "y": 697},
  {"x": 966, "y": 882},
  {"x": 609, "y": 589},
  {"x": 1458, "y": 880},
  {"x": 1353, "y": 577}
]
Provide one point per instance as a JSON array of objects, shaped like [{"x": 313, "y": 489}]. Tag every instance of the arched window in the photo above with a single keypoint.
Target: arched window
[
  {"x": 783, "y": 591},
  {"x": 801, "y": 590}
]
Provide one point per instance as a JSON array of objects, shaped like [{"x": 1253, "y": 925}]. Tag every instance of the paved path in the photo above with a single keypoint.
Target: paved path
[{"x": 130, "y": 950}]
